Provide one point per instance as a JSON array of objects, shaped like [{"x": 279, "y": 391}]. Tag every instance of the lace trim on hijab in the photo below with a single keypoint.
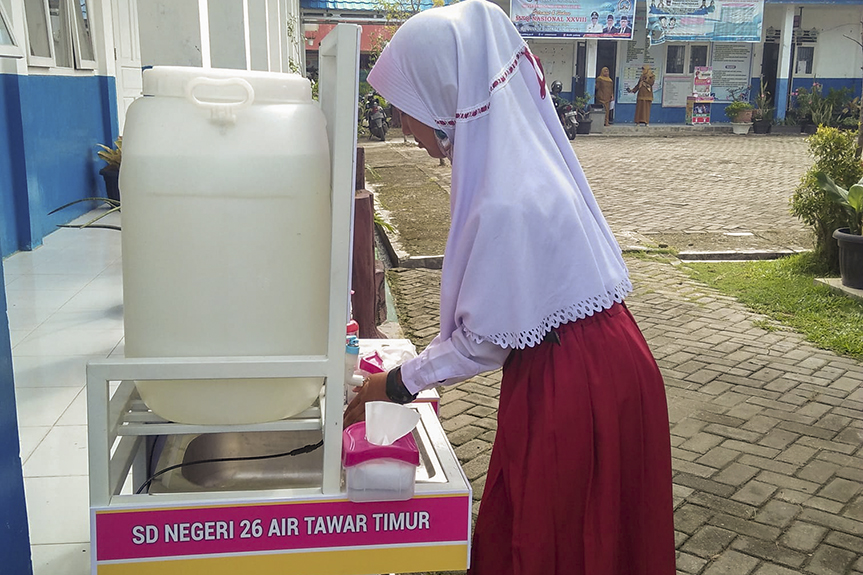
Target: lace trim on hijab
[
  {"x": 569, "y": 314},
  {"x": 499, "y": 81}
]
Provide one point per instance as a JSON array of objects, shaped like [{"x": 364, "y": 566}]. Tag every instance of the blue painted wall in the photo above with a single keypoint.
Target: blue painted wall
[
  {"x": 14, "y": 220},
  {"x": 52, "y": 126},
  {"x": 14, "y": 535},
  {"x": 625, "y": 113}
]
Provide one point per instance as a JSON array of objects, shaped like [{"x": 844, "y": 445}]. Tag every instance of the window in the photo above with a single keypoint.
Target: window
[
  {"x": 804, "y": 59},
  {"x": 60, "y": 33},
  {"x": 8, "y": 44},
  {"x": 683, "y": 58},
  {"x": 82, "y": 35},
  {"x": 697, "y": 57},
  {"x": 675, "y": 59}
]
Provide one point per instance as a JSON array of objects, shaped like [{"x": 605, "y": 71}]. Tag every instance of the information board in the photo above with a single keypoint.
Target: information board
[
  {"x": 675, "y": 89},
  {"x": 730, "y": 79}
]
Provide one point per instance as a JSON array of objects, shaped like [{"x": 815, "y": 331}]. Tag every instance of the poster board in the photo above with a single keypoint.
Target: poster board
[
  {"x": 730, "y": 78},
  {"x": 703, "y": 81},
  {"x": 675, "y": 89}
]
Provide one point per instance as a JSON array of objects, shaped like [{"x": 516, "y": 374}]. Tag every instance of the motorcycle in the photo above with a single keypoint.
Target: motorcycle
[
  {"x": 568, "y": 116},
  {"x": 376, "y": 118}
]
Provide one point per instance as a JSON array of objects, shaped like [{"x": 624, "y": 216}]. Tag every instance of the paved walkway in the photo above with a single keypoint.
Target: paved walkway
[{"x": 767, "y": 431}]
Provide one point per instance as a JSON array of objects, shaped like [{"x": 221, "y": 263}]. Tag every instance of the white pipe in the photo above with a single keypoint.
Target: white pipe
[
  {"x": 204, "y": 19},
  {"x": 247, "y": 36}
]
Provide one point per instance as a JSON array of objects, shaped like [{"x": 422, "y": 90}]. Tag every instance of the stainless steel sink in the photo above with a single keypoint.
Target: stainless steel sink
[
  {"x": 299, "y": 471},
  {"x": 303, "y": 470}
]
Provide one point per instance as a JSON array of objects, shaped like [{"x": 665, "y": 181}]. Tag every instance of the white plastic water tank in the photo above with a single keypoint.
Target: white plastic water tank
[{"x": 226, "y": 236}]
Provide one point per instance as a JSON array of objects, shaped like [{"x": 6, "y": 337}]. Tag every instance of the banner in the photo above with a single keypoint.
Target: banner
[
  {"x": 574, "y": 18},
  {"x": 704, "y": 20}
]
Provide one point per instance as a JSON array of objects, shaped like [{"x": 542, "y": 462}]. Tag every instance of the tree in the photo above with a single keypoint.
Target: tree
[{"x": 395, "y": 13}]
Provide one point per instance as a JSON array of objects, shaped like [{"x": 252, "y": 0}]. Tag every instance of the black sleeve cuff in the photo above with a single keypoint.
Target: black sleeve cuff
[{"x": 396, "y": 390}]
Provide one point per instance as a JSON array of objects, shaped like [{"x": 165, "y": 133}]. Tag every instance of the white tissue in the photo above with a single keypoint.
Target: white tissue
[
  {"x": 396, "y": 352},
  {"x": 387, "y": 422}
]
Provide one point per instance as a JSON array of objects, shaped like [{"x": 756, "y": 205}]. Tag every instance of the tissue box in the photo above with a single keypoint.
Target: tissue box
[{"x": 378, "y": 472}]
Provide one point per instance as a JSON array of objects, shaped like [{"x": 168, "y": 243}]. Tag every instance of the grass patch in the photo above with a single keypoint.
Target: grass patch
[{"x": 785, "y": 291}]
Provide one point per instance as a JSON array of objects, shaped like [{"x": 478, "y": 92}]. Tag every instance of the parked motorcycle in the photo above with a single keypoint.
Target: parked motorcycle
[
  {"x": 375, "y": 117},
  {"x": 565, "y": 112}
]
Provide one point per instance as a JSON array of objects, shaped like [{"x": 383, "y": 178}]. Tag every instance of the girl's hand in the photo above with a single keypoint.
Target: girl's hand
[{"x": 374, "y": 389}]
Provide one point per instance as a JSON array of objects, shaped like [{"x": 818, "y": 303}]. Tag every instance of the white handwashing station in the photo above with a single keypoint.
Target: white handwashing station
[{"x": 237, "y": 224}]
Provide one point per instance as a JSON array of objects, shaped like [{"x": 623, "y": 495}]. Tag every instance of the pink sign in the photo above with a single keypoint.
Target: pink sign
[
  {"x": 703, "y": 80},
  {"x": 227, "y": 529}
]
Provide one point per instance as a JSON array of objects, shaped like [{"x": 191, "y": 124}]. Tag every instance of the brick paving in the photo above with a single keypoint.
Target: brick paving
[{"x": 767, "y": 431}]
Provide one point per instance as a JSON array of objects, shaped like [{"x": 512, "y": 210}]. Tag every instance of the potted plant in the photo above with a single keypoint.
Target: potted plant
[
  {"x": 849, "y": 238},
  {"x": 740, "y": 114},
  {"x": 111, "y": 172},
  {"x": 763, "y": 112},
  {"x": 788, "y": 125},
  {"x": 813, "y": 108},
  {"x": 580, "y": 105}
]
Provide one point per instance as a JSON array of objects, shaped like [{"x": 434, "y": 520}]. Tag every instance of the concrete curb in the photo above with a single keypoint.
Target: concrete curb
[
  {"x": 742, "y": 255},
  {"x": 630, "y": 242},
  {"x": 835, "y": 284},
  {"x": 401, "y": 259}
]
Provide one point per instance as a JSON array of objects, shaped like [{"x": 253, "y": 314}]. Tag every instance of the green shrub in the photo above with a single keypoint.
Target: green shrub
[
  {"x": 849, "y": 123},
  {"x": 833, "y": 151}
]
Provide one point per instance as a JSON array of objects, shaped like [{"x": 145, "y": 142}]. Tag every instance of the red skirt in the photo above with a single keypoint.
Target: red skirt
[{"x": 580, "y": 475}]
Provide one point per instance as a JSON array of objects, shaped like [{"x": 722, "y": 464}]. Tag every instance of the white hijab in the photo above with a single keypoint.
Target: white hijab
[{"x": 528, "y": 247}]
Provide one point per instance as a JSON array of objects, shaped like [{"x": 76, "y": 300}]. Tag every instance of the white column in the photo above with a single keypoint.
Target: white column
[
  {"x": 783, "y": 79},
  {"x": 590, "y": 71}
]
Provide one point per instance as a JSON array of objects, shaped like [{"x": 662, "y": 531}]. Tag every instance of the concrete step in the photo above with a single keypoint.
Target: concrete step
[{"x": 661, "y": 130}]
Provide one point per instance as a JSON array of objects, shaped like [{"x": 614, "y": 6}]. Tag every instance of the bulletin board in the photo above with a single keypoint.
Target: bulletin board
[{"x": 675, "y": 90}]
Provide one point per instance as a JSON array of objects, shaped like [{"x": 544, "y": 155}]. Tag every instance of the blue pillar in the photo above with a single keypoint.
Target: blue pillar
[
  {"x": 14, "y": 535},
  {"x": 783, "y": 82}
]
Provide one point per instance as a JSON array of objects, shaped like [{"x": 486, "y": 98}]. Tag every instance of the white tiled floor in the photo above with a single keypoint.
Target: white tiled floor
[{"x": 65, "y": 308}]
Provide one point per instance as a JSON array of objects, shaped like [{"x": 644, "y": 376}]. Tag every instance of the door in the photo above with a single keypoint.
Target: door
[
  {"x": 580, "y": 72},
  {"x": 769, "y": 68},
  {"x": 127, "y": 52},
  {"x": 606, "y": 56}
]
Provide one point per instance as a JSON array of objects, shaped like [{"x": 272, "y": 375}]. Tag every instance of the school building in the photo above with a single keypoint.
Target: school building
[{"x": 800, "y": 42}]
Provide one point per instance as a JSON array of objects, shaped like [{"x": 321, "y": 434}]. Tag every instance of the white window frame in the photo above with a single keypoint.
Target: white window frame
[
  {"x": 811, "y": 73},
  {"x": 689, "y": 67},
  {"x": 69, "y": 23},
  {"x": 32, "y": 59},
  {"x": 685, "y": 58},
  {"x": 80, "y": 62},
  {"x": 12, "y": 50}
]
